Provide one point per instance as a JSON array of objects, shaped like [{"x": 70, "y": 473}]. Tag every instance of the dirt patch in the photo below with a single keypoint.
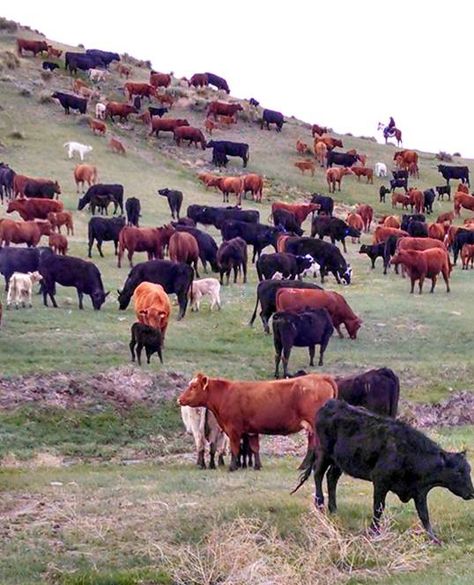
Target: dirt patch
[{"x": 454, "y": 411}]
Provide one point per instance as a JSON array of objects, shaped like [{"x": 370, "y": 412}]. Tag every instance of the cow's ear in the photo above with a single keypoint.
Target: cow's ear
[{"x": 204, "y": 381}]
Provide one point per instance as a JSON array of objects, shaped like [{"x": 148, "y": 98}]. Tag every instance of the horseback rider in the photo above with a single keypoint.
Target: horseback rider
[{"x": 388, "y": 130}]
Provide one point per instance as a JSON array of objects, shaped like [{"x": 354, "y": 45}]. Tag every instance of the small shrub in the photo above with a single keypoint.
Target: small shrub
[
  {"x": 444, "y": 156},
  {"x": 456, "y": 154},
  {"x": 198, "y": 105},
  {"x": 16, "y": 135},
  {"x": 25, "y": 91},
  {"x": 8, "y": 60},
  {"x": 80, "y": 46},
  {"x": 46, "y": 75},
  {"x": 8, "y": 25},
  {"x": 45, "y": 98}
]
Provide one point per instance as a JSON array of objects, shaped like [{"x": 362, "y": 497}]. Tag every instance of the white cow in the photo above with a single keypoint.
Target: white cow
[
  {"x": 73, "y": 147},
  {"x": 206, "y": 286},
  {"x": 97, "y": 74},
  {"x": 202, "y": 424},
  {"x": 380, "y": 169},
  {"x": 100, "y": 110},
  {"x": 20, "y": 288}
]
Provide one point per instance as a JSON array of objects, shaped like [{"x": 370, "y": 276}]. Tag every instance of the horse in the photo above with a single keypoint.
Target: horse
[{"x": 393, "y": 132}]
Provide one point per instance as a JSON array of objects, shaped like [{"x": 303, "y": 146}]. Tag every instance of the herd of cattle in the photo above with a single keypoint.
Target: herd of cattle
[{"x": 364, "y": 442}]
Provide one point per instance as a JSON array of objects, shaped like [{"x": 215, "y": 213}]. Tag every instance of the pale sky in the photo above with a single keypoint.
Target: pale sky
[{"x": 343, "y": 63}]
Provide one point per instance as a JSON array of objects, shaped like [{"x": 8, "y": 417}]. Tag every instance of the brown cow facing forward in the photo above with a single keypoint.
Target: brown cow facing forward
[{"x": 425, "y": 264}]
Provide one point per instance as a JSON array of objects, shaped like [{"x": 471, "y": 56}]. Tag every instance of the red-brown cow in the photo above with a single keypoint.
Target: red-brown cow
[
  {"x": 419, "y": 244},
  {"x": 34, "y": 47},
  {"x": 199, "y": 80},
  {"x": 34, "y": 208},
  {"x": 141, "y": 89},
  {"x": 355, "y": 221},
  {"x": 278, "y": 407},
  {"x": 52, "y": 52},
  {"x": 330, "y": 142},
  {"x": 305, "y": 165},
  {"x": 152, "y": 306},
  {"x": 20, "y": 182},
  {"x": 467, "y": 255},
  {"x": 392, "y": 221},
  {"x": 254, "y": 184},
  {"x": 166, "y": 124},
  {"x": 319, "y": 130},
  {"x": 463, "y": 200},
  {"x": 405, "y": 200},
  {"x": 382, "y": 233},
  {"x": 367, "y": 214},
  {"x": 61, "y": 218},
  {"x": 417, "y": 199},
  {"x": 299, "y": 210},
  {"x": 404, "y": 158},
  {"x": 462, "y": 188},
  {"x": 118, "y": 109},
  {"x": 58, "y": 244},
  {"x": 23, "y": 232},
  {"x": 436, "y": 231},
  {"x": 183, "y": 247},
  {"x": 160, "y": 79},
  {"x": 164, "y": 98},
  {"x": 209, "y": 179},
  {"x": 149, "y": 240},
  {"x": 231, "y": 185},
  {"x": 425, "y": 264},
  {"x": 97, "y": 126},
  {"x": 85, "y": 174},
  {"x": 191, "y": 135},
  {"x": 298, "y": 299},
  {"x": 446, "y": 217},
  {"x": 364, "y": 172},
  {"x": 334, "y": 176},
  {"x": 302, "y": 147},
  {"x": 223, "y": 109}
]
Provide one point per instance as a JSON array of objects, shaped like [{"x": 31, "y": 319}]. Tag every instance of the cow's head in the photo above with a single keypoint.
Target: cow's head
[
  {"x": 346, "y": 274},
  {"x": 353, "y": 326},
  {"x": 196, "y": 394},
  {"x": 456, "y": 475},
  {"x": 98, "y": 299},
  {"x": 35, "y": 276},
  {"x": 154, "y": 317},
  {"x": 353, "y": 232}
]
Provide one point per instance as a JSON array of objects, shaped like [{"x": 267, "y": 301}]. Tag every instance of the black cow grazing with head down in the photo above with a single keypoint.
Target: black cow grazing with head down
[
  {"x": 74, "y": 61},
  {"x": 160, "y": 112},
  {"x": 49, "y": 66},
  {"x": 217, "y": 215},
  {"x": 287, "y": 221},
  {"x": 392, "y": 455},
  {"x": 326, "y": 255},
  {"x": 429, "y": 196},
  {"x": 106, "y": 57},
  {"x": 454, "y": 172},
  {"x": 383, "y": 191},
  {"x": 175, "y": 200},
  {"x": 376, "y": 390},
  {"x": 232, "y": 255},
  {"x": 174, "y": 277},
  {"x": 407, "y": 218},
  {"x": 289, "y": 265},
  {"x": 341, "y": 158},
  {"x": 256, "y": 234},
  {"x": 218, "y": 82},
  {"x": 326, "y": 203},
  {"x": 104, "y": 230},
  {"x": 133, "y": 209},
  {"x": 70, "y": 102},
  {"x": 20, "y": 260},
  {"x": 373, "y": 251},
  {"x": 84, "y": 276},
  {"x": 443, "y": 190},
  {"x": 417, "y": 229},
  {"x": 144, "y": 336},
  {"x": 114, "y": 191},
  {"x": 303, "y": 329},
  {"x": 266, "y": 297},
  {"x": 227, "y": 148},
  {"x": 272, "y": 117},
  {"x": 337, "y": 229},
  {"x": 206, "y": 244}
]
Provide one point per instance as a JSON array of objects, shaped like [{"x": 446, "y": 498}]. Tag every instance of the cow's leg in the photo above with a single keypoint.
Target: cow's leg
[
  {"x": 433, "y": 283},
  {"x": 80, "y": 296},
  {"x": 234, "y": 438},
  {"x": 311, "y": 350},
  {"x": 332, "y": 478},
  {"x": 446, "y": 274},
  {"x": 99, "y": 247},
  {"x": 420, "y": 284},
  {"x": 320, "y": 468},
  {"x": 236, "y": 271},
  {"x": 212, "y": 455},
  {"x": 254, "y": 445},
  {"x": 339, "y": 332},
  {"x": 132, "y": 347},
  {"x": 285, "y": 359},
  {"x": 344, "y": 245},
  {"x": 278, "y": 350},
  {"x": 422, "y": 509},
  {"x": 139, "y": 352},
  {"x": 380, "y": 493},
  {"x": 413, "y": 280}
]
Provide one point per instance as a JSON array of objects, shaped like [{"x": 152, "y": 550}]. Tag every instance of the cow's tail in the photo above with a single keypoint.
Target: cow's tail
[
  {"x": 252, "y": 318},
  {"x": 394, "y": 397},
  {"x": 306, "y": 467}
]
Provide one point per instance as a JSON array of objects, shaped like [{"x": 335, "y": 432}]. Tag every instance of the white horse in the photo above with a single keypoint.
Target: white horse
[
  {"x": 380, "y": 169},
  {"x": 73, "y": 147}
]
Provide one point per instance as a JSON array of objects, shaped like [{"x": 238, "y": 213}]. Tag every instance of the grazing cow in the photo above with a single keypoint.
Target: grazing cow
[
  {"x": 341, "y": 158},
  {"x": 70, "y": 102},
  {"x": 166, "y": 125},
  {"x": 334, "y": 176},
  {"x": 159, "y": 79},
  {"x": 392, "y": 221},
  {"x": 467, "y": 255},
  {"x": 454, "y": 172},
  {"x": 175, "y": 200},
  {"x": 59, "y": 219},
  {"x": 330, "y": 142},
  {"x": 436, "y": 231},
  {"x": 144, "y": 336},
  {"x": 141, "y": 89},
  {"x": 364, "y": 172},
  {"x": 133, "y": 209},
  {"x": 20, "y": 260},
  {"x": 376, "y": 390},
  {"x": 223, "y": 109},
  {"x": 198, "y": 80},
  {"x": 192, "y": 135},
  {"x": 216, "y": 81},
  {"x": 392, "y": 455},
  {"x": 207, "y": 245},
  {"x": 34, "y": 208},
  {"x": 299, "y": 210},
  {"x": 98, "y": 127},
  {"x": 49, "y": 66},
  {"x": 73, "y": 147},
  {"x": 294, "y": 300},
  {"x": 287, "y": 221},
  {"x": 382, "y": 233},
  {"x": 164, "y": 98},
  {"x": 202, "y": 424},
  {"x": 152, "y": 306},
  {"x": 463, "y": 200},
  {"x": 231, "y": 185},
  {"x": 254, "y": 184},
  {"x": 306, "y": 328},
  {"x": 84, "y": 276},
  {"x": 101, "y": 202},
  {"x": 255, "y": 234},
  {"x": 305, "y": 165},
  {"x": 443, "y": 190},
  {"x": 413, "y": 170},
  {"x": 425, "y": 264},
  {"x": 104, "y": 230},
  {"x": 115, "y": 191},
  {"x": 203, "y": 287},
  {"x": 404, "y": 158},
  {"x": 355, "y": 221},
  {"x": 52, "y": 52},
  {"x": 117, "y": 146},
  {"x": 288, "y": 265},
  {"x": 279, "y": 407},
  {"x": 149, "y": 240},
  {"x": 183, "y": 247},
  {"x": 462, "y": 188},
  {"x": 320, "y": 152},
  {"x": 319, "y": 130},
  {"x": 74, "y": 61},
  {"x": 232, "y": 254},
  {"x": 34, "y": 47},
  {"x": 58, "y": 243},
  {"x": 367, "y": 214},
  {"x": 209, "y": 179},
  {"x": 272, "y": 117},
  {"x": 106, "y": 57},
  {"x": 416, "y": 199},
  {"x": 21, "y": 288},
  {"x": 266, "y": 297},
  {"x": 326, "y": 203},
  {"x": 381, "y": 169},
  {"x": 374, "y": 251},
  {"x": 42, "y": 189},
  {"x": 216, "y": 216},
  {"x": 337, "y": 229},
  {"x": 405, "y": 200},
  {"x": 224, "y": 148},
  {"x": 121, "y": 110},
  {"x": 173, "y": 277}
]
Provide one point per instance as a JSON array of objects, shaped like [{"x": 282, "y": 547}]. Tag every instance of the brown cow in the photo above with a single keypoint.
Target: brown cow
[
  {"x": 85, "y": 174},
  {"x": 58, "y": 244},
  {"x": 209, "y": 125},
  {"x": 320, "y": 152},
  {"x": 52, "y": 52},
  {"x": 97, "y": 126},
  {"x": 123, "y": 70},
  {"x": 302, "y": 147},
  {"x": 116, "y": 146},
  {"x": 298, "y": 299},
  {"x": 78, "y": 84},
  {"x": 152, "y": 306},
  {"x": 227, "y": 120},
  {"x": 20, "y": 182},
  {"x": 462, "y": 188},
  {"x": 367, "y": 214},
  {"x": 198, "y": 80},
  {"x": 299, "y": 210},
  {"x": 405, "y": 200},
  {"x": 446, "y": 217},
  {"x": 119, "y": 109},
  {"x": 34, "y": 47},
  {"x": 145, "y": 118},
  {"x": 160, "y": 79},
  {"x": 334, "y": 176},
  {"x": 141, "y": 89},
  {"x": 278, "y": 407},
  {"x": 319, "y": 130},
  {"x": 382, "y": 233},
  {"x": 364, "y": 172},
  {"x": 355, "y": 221},
  {"x": 23, "y": 232},
  {"x": 191, "y": 135},
  {"x": 392, "y": 221},
  {"x": 331, "y": 142},
  {"x": 231, "y": 185},
  {"x": 403, "y": 158},
  {"x": 183, "y": 247},
  {"x": 223, "y": 109},
  {"x": 164, "y": 98},
  {"x": 254, "y": 184},
  {"x": 413, "y": 170},
  {"x": 149, "y": 240},
  {"x": 209, "y": 180},
  {"x": 61, "y": 218},
  {"x": 166, "y": 124},
  {"x": 463, "y": 200},
  {"x": 436, "y": 231},
  {"x": 305, "y": 165},
  {"x": 281, "y": 243},
  {"x": 417, "y": 199},
  {"x": 419, "y": 244},
  {"x": 424, "y": 264},
  {"x": 467, "y": 255},
  {"x": 34, "y": 208}
]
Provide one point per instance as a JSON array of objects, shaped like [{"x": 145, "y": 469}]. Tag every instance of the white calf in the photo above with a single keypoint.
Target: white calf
[
  {"x": 206, "y": 286},
  {"x": 202, "y": 424},
  {"x": 100, "y": 111},
  {"x": 20, "y": 288},
  {"x": 73, "y": 147},
  {"x": 97, "y": 74},
  {"x": 380, "y": 169}
]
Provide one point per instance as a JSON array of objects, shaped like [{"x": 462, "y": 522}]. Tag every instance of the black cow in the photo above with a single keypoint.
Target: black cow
[
  {"x": 175, "y": 200},
  {"x": 383, "y": 191},
  {"x": 403, "y": 174},
  {"x": 84, "y": 276},
  {"x": 340, "y": 158},
  {"x": 325, "y": 202},
  {"x": 228, "y": 148},
  {"x": 133, "y": 209},
  {"x": 303, "y": 329},
  {"x": 395, "y": 183},
  {"x": 429, "y": 196},
  {"x": 389, "y": 251},
  {"x": 417, "y": 229},
  {"x": 266, "y": 297},
  {"x": 232, "y": 254},
  {"x": 206, "y": 244},
  {"x": 407, "y": 218},
  {"x": 337, "y": 229},
  {"x": 70, "y": 102},
  {"x": 105, "y": 57},
  {"x": 253, "y": 102},
  {"x": 376, "y": 390},
  {"x": 462, "y": 237},
  {"x": 218, "y": 82},
  {"x": 287, "y": 221},
  {"x": 114, "y": 191},
  {"x": 289, "y": 265},
  {"x": 443, "y": 190},
  {"x": 144, "y": 336},
  {"x": 137, "y": 103},
  {"x": 174, "y": 277},
  {"x": 49, "y": 65},
  {"x": 272, "y": 117},
  {"x": 256, "y": 234},
  {"x": 454, "y": 172},
  {"x": 392, "y": 455},
  {"x": 20, "y": 260},
  {"x": 6, "y": 181},
  {"x": 217, "y": 215},
  {"x": 160, "y": 112},
  {"x": 104, "y": 230},
  {"x": 326, "y": 255},
  {"x": 219, "y": 158},
  {"x": 373, "y": 251},
  {"x": 42, "y": 190},
  {"x": 74, "y": 61}
]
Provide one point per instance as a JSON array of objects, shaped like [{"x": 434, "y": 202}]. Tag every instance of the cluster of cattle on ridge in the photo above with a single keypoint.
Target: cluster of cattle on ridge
[{"x": 352, "y": 413}]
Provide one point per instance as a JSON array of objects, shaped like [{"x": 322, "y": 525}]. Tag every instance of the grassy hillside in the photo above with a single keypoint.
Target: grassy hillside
[{"x": 73, "y": 512}]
